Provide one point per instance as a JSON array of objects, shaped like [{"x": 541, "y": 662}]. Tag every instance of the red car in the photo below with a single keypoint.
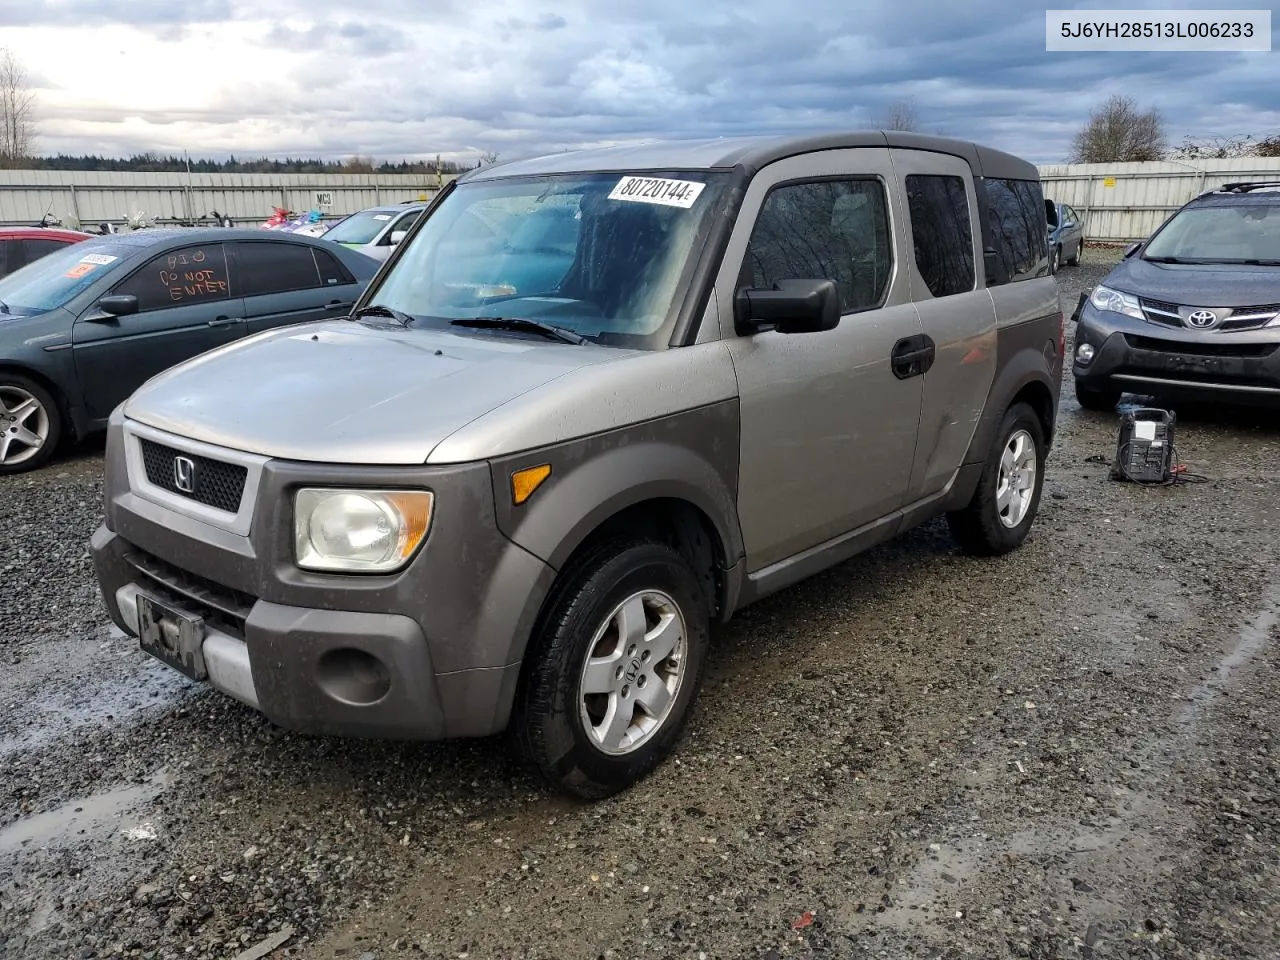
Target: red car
[{"x": 21, "y": 245}]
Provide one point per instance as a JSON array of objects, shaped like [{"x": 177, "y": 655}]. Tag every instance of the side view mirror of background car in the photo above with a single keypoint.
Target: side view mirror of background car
[
  {"x": 790, "y": 306},
  {"x": 119, "y": 305},
  {"x": 1131, "y": 249},
  {"x": 397, "y": 236}
]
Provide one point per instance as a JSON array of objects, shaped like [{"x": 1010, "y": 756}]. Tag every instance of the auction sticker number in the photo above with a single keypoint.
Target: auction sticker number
[{"x": 669, "y": 193}]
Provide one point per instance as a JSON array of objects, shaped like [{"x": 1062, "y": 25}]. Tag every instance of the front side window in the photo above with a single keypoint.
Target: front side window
[
  {"x": 264, "y": 266},
  {"x": 179, "y": 277},
  {"x": 1018, "y": 241},
  {"x": 603, "y": 255},
  {"x": 942, "y": 233},
  {"x": 1239, "y": 232},
  {"x": 834, "y": 230},
  {"x": 405, "y": 223}
]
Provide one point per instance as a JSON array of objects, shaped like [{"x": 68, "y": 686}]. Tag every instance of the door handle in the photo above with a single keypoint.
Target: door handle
[
  {"x": 912, "y": 356},
  {"x": 224, "y": 321},
  {"x": 338, "y": 304}
]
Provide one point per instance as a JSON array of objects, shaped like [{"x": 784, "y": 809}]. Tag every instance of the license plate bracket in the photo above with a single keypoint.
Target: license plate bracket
[{"x": 172, "y": 637}]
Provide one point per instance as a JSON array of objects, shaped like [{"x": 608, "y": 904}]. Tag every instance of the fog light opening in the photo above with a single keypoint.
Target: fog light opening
[
  {"x": 1084, "y": 353},
  {"x": 353, "y": 676}
]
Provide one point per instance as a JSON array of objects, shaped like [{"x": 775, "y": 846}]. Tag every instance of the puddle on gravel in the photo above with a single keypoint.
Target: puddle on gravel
[{"x": 87, "y": 818}]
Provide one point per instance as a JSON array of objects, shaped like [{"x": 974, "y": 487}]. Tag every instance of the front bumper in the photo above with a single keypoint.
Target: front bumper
[
  {"x": 430, "y": 652},
  {"x": 1141, "y": 357}
]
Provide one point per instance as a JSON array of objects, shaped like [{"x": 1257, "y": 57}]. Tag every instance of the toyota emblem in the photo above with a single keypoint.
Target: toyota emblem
[{"x": 1201, "y": 319}]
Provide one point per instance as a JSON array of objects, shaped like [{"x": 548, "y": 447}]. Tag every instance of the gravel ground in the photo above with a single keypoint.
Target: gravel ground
[{"x": 1065, "y": 752}]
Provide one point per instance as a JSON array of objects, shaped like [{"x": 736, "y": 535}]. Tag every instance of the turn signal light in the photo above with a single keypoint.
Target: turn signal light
[{"x": 525, "y": 482}]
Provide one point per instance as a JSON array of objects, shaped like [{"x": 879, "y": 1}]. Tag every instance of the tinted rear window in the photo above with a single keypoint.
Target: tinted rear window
[
  {"x": 1017, "y": 240},
  {"x": 942, "y": 233},
  {"x": 274, "y": 267}
]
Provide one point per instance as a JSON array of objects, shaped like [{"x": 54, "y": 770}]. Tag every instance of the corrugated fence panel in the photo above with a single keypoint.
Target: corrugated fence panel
[
  {"x": 1122, "y": 202},
  {"x": 94, "y": 197}
]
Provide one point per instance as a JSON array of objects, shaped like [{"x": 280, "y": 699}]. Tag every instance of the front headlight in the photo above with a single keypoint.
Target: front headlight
[
  {"x": 1104, "y": 298},
  {"x": 365, "y": 531}
]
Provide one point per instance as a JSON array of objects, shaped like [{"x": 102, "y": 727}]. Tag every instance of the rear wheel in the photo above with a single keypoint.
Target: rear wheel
[
  {"x": 1004, "y": 505},
  {"x": 30, "y": 425},
  {"x": 1097, "y": 398},
  {"x": 1075, "y": 257},
  {"x": 612, "y": 676}
]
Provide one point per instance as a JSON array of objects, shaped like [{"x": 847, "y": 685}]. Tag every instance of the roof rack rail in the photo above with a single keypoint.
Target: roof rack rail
[{"x": 1244, "y": 186}]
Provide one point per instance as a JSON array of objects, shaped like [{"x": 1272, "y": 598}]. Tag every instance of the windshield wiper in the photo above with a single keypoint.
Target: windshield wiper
[
  {"x": 1171, "y": 260},
  {"x": 4, "y": 307},
  {"x": 523, "y": 324},
  {"x": 379, "y": 310}
]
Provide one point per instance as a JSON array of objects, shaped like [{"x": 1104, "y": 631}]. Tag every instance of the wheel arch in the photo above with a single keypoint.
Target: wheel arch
[{"x": 59, "y": 396}]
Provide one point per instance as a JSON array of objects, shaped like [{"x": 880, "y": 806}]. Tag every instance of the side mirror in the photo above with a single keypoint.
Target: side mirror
[
  {"x": 1131, "y": 249},
  {"x": 791, "y": 306},
  {"x": 120, "y": 305},
  {"x": 397, "y": 236}
]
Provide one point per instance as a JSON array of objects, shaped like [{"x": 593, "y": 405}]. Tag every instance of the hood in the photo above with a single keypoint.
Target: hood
[
  {"x": 1197, "y": 285},
  {"x": 340, "y": 392}
]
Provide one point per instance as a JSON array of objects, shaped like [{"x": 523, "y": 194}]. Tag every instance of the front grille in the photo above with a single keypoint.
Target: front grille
[
  {"x": 1250, "y": 318},
  {"x": 221, "y": 606},
  {"x": 216, "y": 484},
  {"x": 1160, "y": 311},
  {"x": 1199, "y": 348},
  {"x": 1242, "y": 318}
]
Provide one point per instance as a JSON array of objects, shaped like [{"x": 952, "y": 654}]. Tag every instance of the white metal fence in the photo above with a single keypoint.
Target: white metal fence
[
  {"x": 1120, "y": 201},
  {"x": 89, "y": 198},
  {"x": 1127, "y": 201}
]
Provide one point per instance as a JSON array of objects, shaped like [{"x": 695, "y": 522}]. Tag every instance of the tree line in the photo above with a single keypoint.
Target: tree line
[{"x": 155, "y": 163}]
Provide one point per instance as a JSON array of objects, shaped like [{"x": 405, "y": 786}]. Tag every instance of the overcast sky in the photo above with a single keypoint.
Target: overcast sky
[{"x": 398, "y": 79}]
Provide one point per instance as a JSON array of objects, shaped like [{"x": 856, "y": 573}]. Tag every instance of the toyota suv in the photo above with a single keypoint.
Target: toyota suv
[
  {"x": 593, "y": 404},
  {"x": 1194, "y": 311}
]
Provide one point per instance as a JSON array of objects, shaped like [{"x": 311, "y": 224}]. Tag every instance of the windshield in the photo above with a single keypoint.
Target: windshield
[
  {"x": 55, "y": 278},
  {"x": 1235, "y": 233},
  {"x": 360, "y": 228},
  {"x": 602, "y": 255}
]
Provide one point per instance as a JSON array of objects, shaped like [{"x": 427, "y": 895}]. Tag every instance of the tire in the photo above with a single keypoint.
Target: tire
[
  {"x": 1074, "y": 259},
  {"x": 1097, "y": 398},
  {"x": 565, "y": 733},
  {"x": 30, "y": 424},
  {"x": 1055, "y": 260},
  {"x": 995, "y": 522}
]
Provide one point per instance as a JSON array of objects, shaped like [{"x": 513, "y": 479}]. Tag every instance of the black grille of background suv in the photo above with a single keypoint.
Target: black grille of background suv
[{"x": 217, "y": 484}]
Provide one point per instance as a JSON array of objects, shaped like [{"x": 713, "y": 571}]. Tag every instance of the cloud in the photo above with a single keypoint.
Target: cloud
[{"x": 513, "y": 76}]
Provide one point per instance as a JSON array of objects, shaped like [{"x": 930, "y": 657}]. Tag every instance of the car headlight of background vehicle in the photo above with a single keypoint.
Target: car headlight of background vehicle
[
  {"x": 365, "y": 531},
  {"x": 1104, "y": 298}
]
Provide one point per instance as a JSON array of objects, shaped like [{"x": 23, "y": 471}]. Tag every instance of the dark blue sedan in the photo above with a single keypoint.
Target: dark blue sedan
[
  {"x": 83, "y": 327},
  {"x": 1066, "y": 234}
]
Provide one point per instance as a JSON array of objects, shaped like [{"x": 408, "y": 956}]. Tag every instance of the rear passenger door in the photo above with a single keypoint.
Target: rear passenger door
[
  {"x": 956, "y": 312},
  {"x": 828, "y": 431},
  {"x": 285, "y": 283}
]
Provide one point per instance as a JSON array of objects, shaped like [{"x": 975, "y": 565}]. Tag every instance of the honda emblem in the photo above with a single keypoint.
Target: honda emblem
[{"x": 184, "y": 474}]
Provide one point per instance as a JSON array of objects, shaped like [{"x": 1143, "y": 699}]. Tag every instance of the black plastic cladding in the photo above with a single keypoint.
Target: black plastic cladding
[{"x": 217, "y": 484}]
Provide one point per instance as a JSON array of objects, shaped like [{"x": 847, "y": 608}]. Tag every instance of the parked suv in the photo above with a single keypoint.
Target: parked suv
[
  {"x": 376, "y": 231},
  {"x": 512, "y": 498},
  {"x": 1194, "y": 311}
]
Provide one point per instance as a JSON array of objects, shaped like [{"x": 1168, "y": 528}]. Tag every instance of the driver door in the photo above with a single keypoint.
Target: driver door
[
  {"x": 828, "y": 429},
  {"x": 185, "y": 307}
]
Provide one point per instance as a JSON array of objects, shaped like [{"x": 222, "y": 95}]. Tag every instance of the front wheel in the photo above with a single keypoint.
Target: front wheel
[
  {"x": 615, "y": 669},
  {"x": 29, "y": 424},
  {"x": 1004, "y": 505},
  {"x": 1055, "y": 256},
  {"x": 1097, "y": 398}
]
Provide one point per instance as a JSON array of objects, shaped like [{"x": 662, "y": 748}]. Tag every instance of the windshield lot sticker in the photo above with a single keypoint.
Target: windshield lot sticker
[
  {"x": 669, "y": 193},
  {"x": 79, "y": 270},
  {"x": 382, "y": 216},
  {"x": 101, "y": 259}
]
